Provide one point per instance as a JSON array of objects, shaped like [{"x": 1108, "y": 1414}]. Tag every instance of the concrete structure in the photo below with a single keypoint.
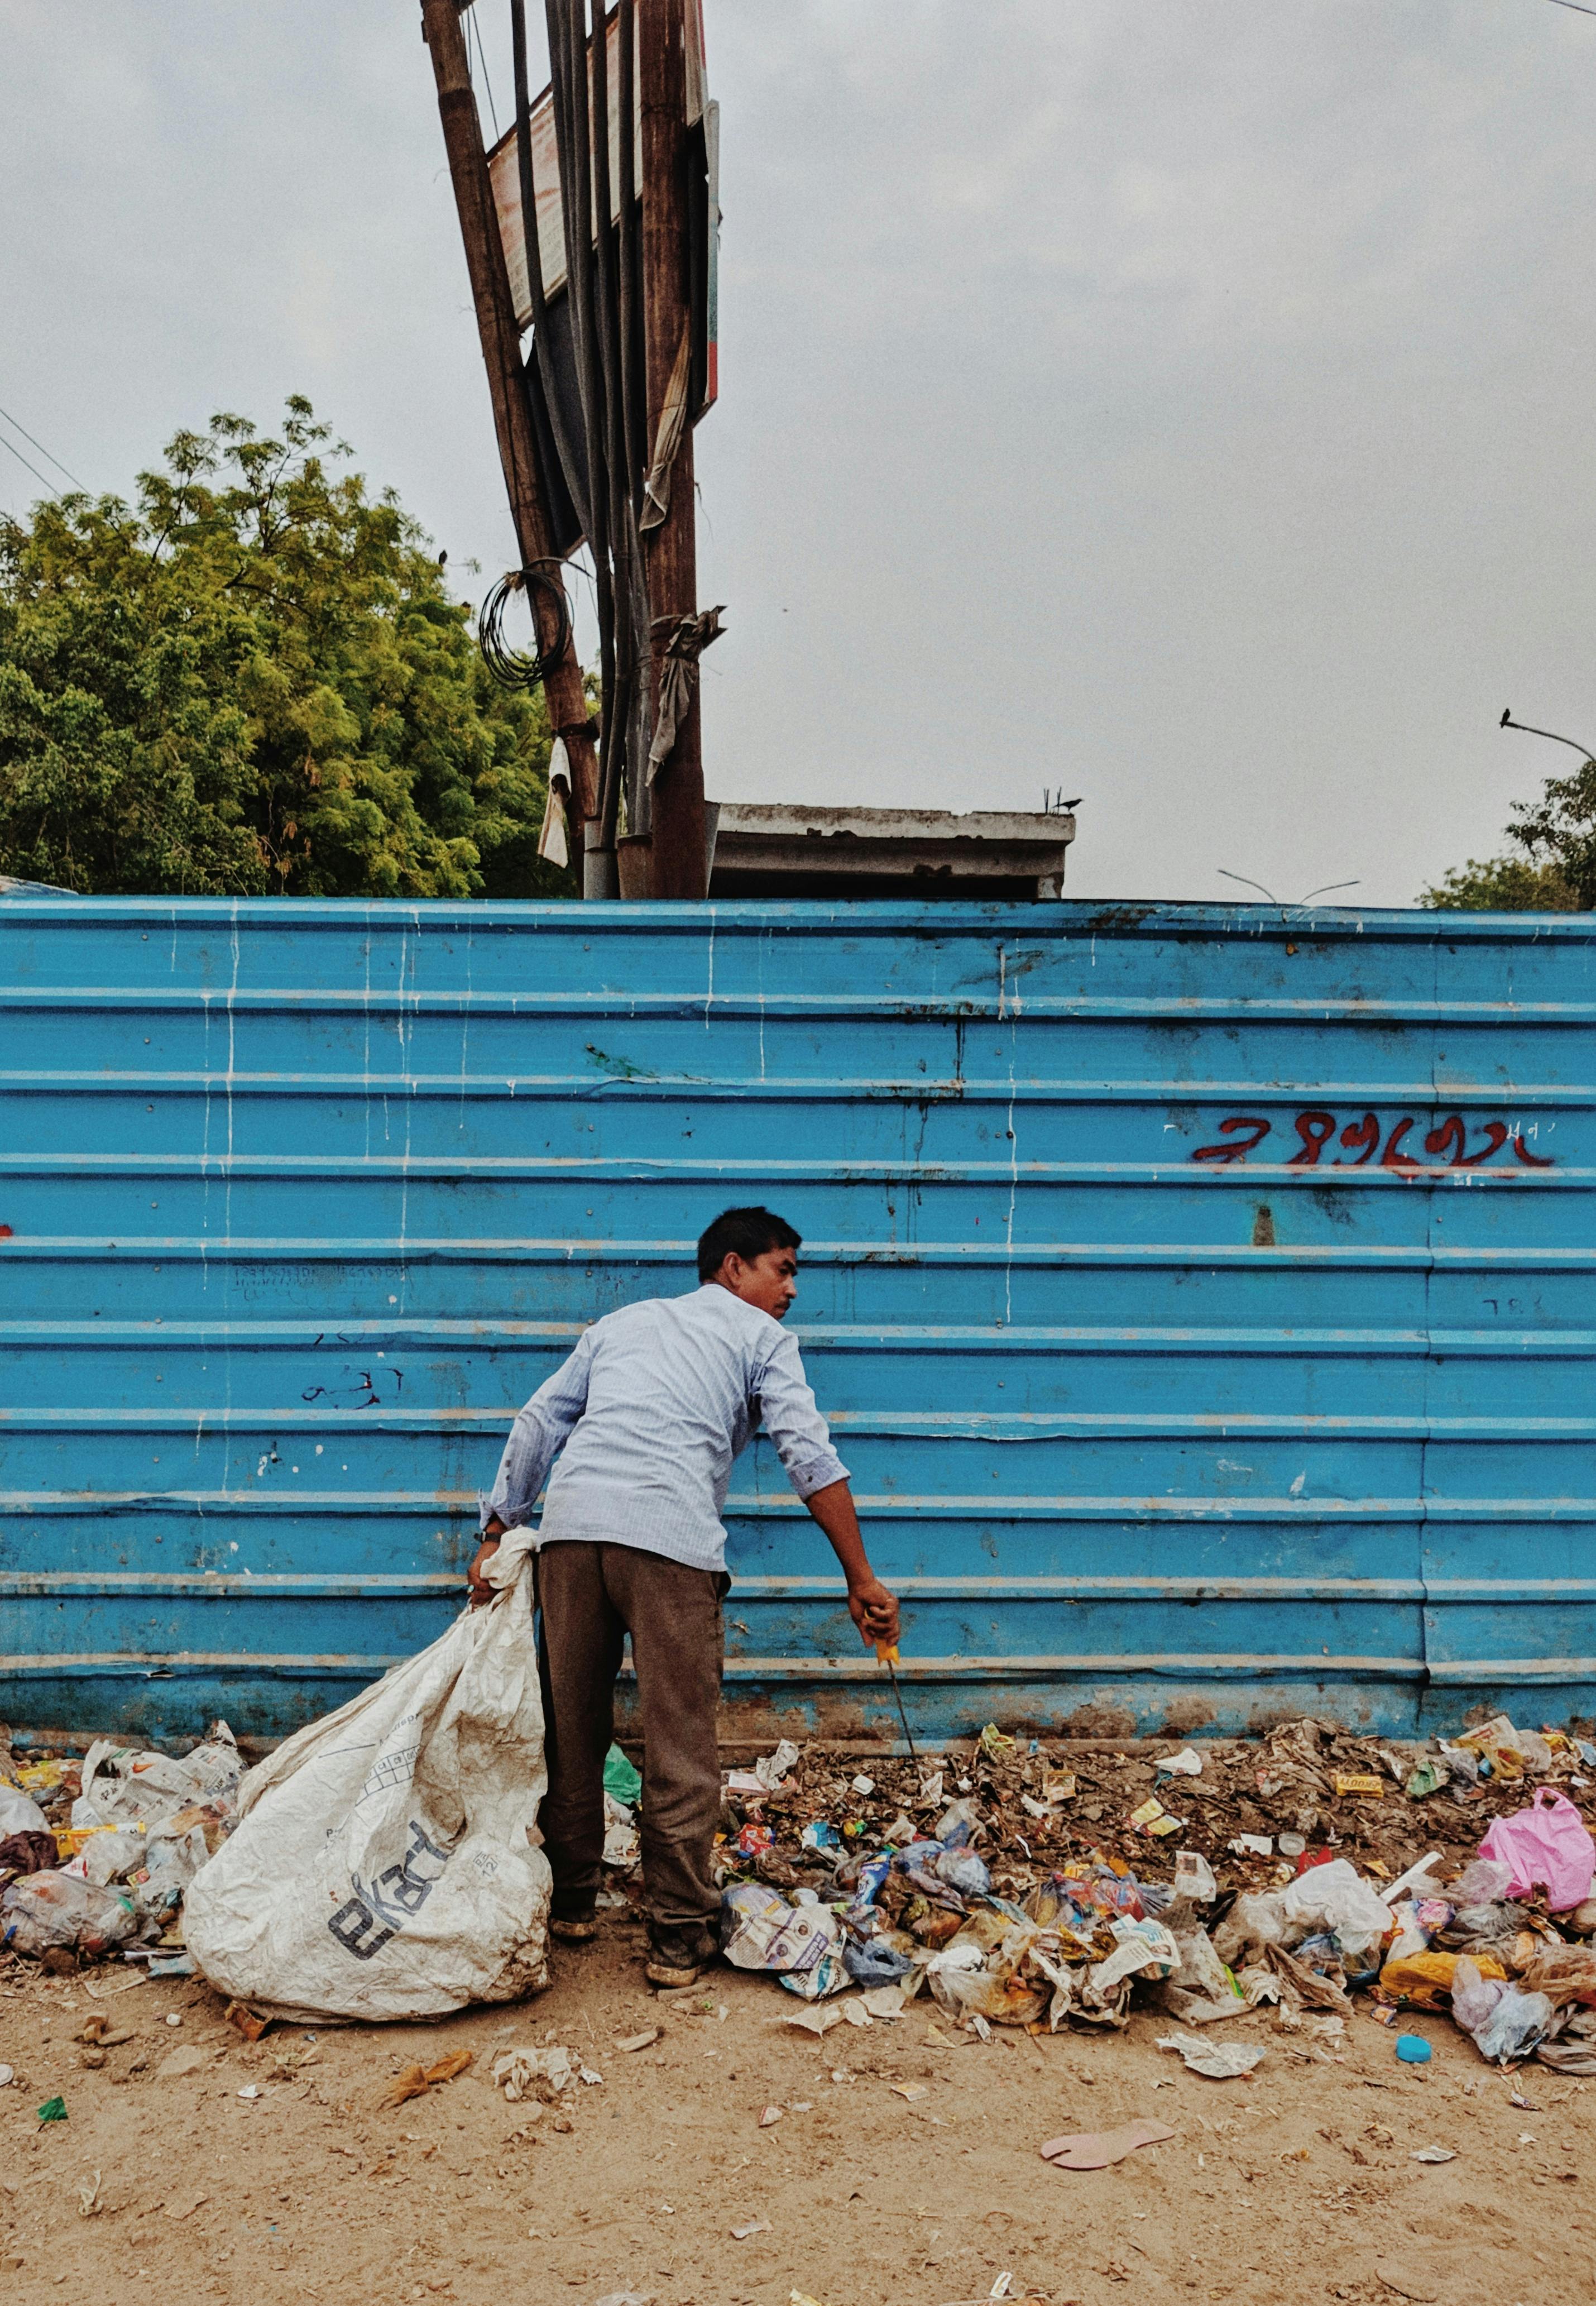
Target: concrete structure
[{"x": 782, "y": 848}]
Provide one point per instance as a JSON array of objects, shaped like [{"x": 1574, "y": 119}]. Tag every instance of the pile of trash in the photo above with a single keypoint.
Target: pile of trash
[
  {"x": 1010, "y": 1904},
  {"x": 1012, "y": 1882},
  {"x": 96, "y": 1854}
]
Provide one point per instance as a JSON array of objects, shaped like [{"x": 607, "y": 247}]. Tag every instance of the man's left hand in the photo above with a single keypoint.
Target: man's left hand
[
  {"x": 874, "y": 1611},
  {"x": 481, "y": 1591}
]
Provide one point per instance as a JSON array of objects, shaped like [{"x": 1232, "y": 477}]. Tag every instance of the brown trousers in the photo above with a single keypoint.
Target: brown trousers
[{"x": 591, "y": 1597}]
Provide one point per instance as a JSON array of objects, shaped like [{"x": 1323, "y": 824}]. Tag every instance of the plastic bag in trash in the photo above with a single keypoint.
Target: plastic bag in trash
[
  {"x": 1571, "y": 2057},
  {"x": 19, "y": 1813},
  {"x": 1335, "y": 1898},
  {"x": 994, "y": 1987},
  {"x": 821, "y": 1836},
  {"x": 1514, "y": 2027},
  {"x": 961, "y": 1812},
  {"x": 622, "y": 1843},
  {"x": 1482, "y": 1929},
  {"x": 1545, "y": 1844},
  {"x": 381, "y": 1865},
  {"x": 1080, "y": 1905},
  {"x": 1483, "y": 1881},
  {"x": 171, "y": 1861},
  {"x": 873, "y": 1962},
  {"x": 771, "y": 1769},
  {"x": 622, "y": 1779},
  {"x": 963, "y": 1871},
  {"x": 1510, "y": 1752},
  {"x": 62, "y": 1909},
  {"x": 1564, "y": 1974},
  {"x": 110, "y": 1856},
  {"x": 214, "y": 1766},
  {"x": 1256, "y": 1921},
  {"x": 1475, "y": 1989}
]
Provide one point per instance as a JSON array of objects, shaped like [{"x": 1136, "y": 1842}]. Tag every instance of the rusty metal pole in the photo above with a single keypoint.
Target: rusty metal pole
[
  {"x": 677, "y": 868},
  {"x": 501, "y": 356}
]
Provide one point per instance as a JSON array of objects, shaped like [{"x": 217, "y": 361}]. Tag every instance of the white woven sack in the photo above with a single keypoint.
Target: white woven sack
[{"x": 384, "y": 1864}]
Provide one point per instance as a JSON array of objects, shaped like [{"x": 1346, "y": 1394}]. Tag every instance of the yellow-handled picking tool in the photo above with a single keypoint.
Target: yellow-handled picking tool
[{"x": 886, "y": 1654}]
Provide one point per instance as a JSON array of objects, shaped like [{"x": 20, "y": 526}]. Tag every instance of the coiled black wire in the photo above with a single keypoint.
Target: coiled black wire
[{"x": 516, "y": 668}]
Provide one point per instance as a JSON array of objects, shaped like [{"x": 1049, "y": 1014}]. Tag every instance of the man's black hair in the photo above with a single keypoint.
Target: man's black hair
[{"x": 747, "y": 1232}]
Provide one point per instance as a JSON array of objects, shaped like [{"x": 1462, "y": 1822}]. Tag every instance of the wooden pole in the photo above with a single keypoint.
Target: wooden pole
[
  {"x": 501, "y": 356},
  {"x": 678, "y": 865}
]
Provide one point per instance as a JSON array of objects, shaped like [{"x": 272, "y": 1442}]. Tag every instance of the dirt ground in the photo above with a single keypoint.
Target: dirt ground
[{"x": 902, "y": 2166}]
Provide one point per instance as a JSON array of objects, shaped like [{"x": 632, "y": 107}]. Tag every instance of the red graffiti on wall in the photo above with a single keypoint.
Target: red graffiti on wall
[{"x": 1363, "y": 1139}]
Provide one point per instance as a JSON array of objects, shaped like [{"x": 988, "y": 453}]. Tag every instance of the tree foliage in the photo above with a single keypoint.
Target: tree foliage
[
  {"x": 253, "y": 681},
  {"x": 1502, "y": 884},
  {"x": 1557, "y": 873}
]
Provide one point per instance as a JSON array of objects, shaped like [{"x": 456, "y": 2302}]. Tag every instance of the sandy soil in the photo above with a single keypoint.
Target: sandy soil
[{"x": 902, "y": 2167}]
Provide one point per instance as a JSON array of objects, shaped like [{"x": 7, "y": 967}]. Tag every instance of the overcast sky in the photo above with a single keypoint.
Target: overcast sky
[{"x": 1185, "y": 402}]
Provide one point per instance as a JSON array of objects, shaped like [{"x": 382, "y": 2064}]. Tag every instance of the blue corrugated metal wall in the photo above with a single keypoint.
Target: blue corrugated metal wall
[{"x": 1201, "y": 1297}]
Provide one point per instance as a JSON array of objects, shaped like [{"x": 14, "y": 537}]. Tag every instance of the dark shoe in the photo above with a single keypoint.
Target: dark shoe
[
  {"x": 573, "y": 1929},
  {"x": 679, "y": 1957},
  {"x": 572, "y": 1918}
]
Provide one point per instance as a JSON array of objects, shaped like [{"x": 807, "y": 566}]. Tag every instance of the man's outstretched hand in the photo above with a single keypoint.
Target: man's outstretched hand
[
  {"x": 874, "y": 1611},
  {"x": 480, "y": 1589}
]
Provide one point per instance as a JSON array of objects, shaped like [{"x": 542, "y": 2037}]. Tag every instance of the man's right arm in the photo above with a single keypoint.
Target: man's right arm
[
  {"x": 804, "y": 1444},
  {"x": 536, "y": 1438}
]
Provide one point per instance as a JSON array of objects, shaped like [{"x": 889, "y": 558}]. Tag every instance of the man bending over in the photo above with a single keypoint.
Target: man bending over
[{"x": 650, "y": 1411}]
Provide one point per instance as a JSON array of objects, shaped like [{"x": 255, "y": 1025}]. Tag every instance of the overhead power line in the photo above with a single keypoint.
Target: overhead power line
[
  {"x": 43, "y": 451},
  {"x": 32, "y": 468},
  {"x": 483, "y": 59}
]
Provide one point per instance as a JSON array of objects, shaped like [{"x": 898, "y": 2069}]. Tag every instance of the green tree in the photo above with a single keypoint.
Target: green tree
[
  {"x": 1502, "y": 884},
  {"x": 1557, "y": 873},
  {"x": 253, "y": 681}
]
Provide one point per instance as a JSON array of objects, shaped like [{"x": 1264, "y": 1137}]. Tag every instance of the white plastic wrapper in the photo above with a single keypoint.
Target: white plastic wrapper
[
  {"x": 19, "y": 1813},
  {"x": 108, "y": 1856},
  {"x": 1335, "y": 1896},
  {"x": 40, "y": 1910}
]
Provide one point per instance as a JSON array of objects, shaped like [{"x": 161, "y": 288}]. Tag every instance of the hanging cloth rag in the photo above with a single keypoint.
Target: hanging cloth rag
[
  {"x": 673, "y": 417},
  {"x": 553, "y": 841},
  {"x": 684, "y": 642}
]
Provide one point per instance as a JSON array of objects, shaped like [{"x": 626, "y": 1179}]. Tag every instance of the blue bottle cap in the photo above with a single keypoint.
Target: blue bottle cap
[{"x": 1413, "y": 2049}]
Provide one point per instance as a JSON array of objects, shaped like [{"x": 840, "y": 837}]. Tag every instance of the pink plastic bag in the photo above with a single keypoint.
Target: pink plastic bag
[{"x": 1547, "y": 1844}]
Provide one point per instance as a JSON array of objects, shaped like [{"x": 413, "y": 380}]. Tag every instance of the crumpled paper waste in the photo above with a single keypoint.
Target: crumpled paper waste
[
  {"x": 1219, "y": 2062},
  {"x": 539, "y": 2074}
]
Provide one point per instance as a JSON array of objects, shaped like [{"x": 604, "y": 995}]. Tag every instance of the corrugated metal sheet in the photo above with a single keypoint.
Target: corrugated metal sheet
[{"x": 1202, "y": 1298}]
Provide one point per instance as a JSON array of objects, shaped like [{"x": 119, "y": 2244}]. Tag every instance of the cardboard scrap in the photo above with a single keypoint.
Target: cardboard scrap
[{"x": 416, "y": 2080}]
